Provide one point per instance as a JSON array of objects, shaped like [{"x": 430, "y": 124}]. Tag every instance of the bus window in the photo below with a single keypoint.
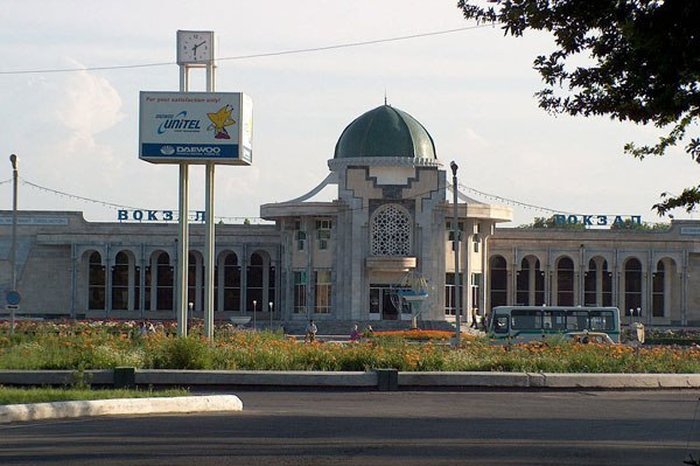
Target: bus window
[
  {"x": 523, "y": 319},
  {"x": 576, "y": 320},
  {"x": 602, "y": 320},
  {"x": 555, "y": 320},
  {"x": 500, "y": 323}
]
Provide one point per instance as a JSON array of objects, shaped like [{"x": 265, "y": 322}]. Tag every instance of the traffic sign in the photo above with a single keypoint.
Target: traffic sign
[
  {"x": 11, "y": 307},
  {"x": 13, "y": 297}
]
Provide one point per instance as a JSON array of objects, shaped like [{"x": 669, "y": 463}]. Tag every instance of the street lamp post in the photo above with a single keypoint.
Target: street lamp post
[
  {"x": 13, "y": 252},
  {"x": 455, "y": 243},
  {"x": 631, "y": 317},
  {"x": 271, "y": 304},
  {"x": 255, "y": 309}
]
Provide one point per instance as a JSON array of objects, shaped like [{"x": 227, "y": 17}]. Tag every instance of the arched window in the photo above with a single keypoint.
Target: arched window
[
  {"x": 254, "y": 281},
  {"x": 530, "y": 282},
  {"x": 195, "y": 277},
  {"x": 232, "y": 283},
  {"x": 164, "y": 283},
  {"x": 522, "y": 293},
  {"x": 633, "y": 285},
  {"x": 565, "y": 282},
  {"x": 658, "y": 291},
  {"x": 598, "y": 283},
  {"x": 390, "y": 231},
  {"x": 96, "y": 282},
  {"x": 120, "y": 282},
  {"x": 499, "y": 281}
]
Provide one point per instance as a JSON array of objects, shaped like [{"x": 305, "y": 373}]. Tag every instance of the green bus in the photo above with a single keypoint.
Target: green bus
[{"x": 525, "y": 323}]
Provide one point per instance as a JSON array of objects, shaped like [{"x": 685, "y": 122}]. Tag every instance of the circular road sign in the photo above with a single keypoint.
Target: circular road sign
[{"x": 13, "y": 297}]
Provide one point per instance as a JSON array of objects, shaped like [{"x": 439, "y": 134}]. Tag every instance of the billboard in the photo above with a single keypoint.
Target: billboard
[{"x": 196, "y": 127}]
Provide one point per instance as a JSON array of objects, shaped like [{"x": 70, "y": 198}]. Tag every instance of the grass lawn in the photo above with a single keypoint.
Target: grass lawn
[{"x": 12, "y": 395}]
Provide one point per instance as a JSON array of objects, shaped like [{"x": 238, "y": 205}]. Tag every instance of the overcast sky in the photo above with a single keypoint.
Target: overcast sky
[{"x": 77, "y": 132}]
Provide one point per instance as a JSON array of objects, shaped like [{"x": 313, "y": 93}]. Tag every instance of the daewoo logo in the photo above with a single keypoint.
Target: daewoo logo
[
  {"x": 167, "y": 150},
  {"x": 206, "y": 150}
]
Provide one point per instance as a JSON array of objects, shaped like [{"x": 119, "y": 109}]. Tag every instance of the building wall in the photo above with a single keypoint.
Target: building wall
[
  {"x": 676, "y": 248},
  {"x": 53, "y": 249}
]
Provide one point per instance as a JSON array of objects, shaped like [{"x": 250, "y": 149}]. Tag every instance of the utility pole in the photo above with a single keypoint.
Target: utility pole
[{"x": 455, "y": 244}]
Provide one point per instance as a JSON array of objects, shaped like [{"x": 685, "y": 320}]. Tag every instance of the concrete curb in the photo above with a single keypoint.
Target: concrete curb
[
  {"x": 378, "y": 379},
  {"x": 121, "y": 406}
]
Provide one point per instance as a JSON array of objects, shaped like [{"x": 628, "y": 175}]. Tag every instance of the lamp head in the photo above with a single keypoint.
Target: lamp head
[
  {"x": 454, "y": 167},
  {"x": 13, "y": 161}
]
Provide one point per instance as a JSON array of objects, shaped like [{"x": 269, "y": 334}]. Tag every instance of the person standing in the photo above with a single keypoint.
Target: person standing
[
  {"x": 354, "y": 333},
  {"x": 311, "y": 331}
]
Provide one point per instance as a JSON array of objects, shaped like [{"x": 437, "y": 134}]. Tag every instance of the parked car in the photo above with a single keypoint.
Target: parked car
[{"x": 589, "y": 337}]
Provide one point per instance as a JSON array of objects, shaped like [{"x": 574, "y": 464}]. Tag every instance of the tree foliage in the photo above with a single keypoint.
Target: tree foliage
[
  {"x": 642, "y": 65},
  {"x": 549, "y": 222}
]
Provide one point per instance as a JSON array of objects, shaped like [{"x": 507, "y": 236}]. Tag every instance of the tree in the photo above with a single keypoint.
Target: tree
[
  {"x": 634, "y": 226},
  {"x": 644, "y": 65},
  {"x": 549, "y": 222}
]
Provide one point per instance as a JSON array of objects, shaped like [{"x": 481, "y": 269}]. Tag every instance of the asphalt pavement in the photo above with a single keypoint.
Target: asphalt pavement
[{"x": 392, "y": 428}]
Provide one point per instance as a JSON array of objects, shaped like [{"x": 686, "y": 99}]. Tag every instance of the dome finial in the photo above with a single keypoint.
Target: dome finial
[{"x": 385, "y": 100}]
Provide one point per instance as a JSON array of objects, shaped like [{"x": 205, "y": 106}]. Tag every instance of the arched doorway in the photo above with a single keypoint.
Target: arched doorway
[
  {"x": 96, "y": 282},
  {"x": 565, "y": 281},
  {"x": 633, "y": 285},
  {"x": 597, "y": 283}
]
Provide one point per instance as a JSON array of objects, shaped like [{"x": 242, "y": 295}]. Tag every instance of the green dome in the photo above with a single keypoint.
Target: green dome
[{"x": 385, "y": 132}]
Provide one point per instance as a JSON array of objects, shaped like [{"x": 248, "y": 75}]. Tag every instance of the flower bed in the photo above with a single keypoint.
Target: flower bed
[{"x": 101, "y": 345}]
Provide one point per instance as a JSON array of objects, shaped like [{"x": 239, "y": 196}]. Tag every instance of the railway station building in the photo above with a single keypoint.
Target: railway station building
[{"x": 388, "y": 232}]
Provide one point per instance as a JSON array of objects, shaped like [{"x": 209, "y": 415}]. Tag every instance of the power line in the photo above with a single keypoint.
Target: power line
[
  {"x": 113, "y": 205},
  {"x": 251, "y": 56},
  {"x": 116, "y": 206},
  {"x": 512, "y": 201}
]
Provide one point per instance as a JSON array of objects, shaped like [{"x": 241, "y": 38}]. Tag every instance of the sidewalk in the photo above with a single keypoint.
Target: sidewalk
[
  {"x": 119, "y": 407},
  {"x": 377, "y": 380}
]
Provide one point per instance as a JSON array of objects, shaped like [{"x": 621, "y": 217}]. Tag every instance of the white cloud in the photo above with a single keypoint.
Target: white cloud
[{"x": 89, "y": 104}]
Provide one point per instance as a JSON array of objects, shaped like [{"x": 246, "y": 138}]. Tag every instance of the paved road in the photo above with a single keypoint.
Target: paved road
[{"x": 397, "y": 428}]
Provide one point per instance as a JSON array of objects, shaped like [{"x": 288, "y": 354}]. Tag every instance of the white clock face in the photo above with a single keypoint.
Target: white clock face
[{"x": 194, "y": 47}]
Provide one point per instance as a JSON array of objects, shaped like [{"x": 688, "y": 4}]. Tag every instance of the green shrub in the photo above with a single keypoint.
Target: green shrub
[{"x": 180, "y": 353}]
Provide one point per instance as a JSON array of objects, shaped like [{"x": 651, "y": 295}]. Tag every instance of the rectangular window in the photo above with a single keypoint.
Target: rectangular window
[
  {"x": 602, "y": 321},
  {"x": 554, "y": 320},
  {"x": 322, "y": 279},
  {"x": 657, "y": 294},
  {"x": 300, "y": 292},
  {"x": 524, "y": 319},
  {"x": 323, "y": 233},
  {"x": 449, "y": 294},
  {"x": 576, "y": 320},
  {"x": 476, "y": 292},
  {"x": 301, "y": 240}
]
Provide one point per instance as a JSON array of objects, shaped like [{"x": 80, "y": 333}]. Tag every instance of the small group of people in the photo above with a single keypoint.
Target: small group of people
[
  {"x": 355, "y": 334},
  {"x": 146, "y": 328}
]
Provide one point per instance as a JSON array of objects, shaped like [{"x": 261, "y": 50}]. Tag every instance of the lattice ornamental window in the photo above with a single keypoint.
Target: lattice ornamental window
[{"x": 391, "y": 231}]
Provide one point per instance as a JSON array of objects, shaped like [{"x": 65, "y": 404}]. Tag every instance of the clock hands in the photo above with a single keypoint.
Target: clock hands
[{"x": 195, "y": 47}]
